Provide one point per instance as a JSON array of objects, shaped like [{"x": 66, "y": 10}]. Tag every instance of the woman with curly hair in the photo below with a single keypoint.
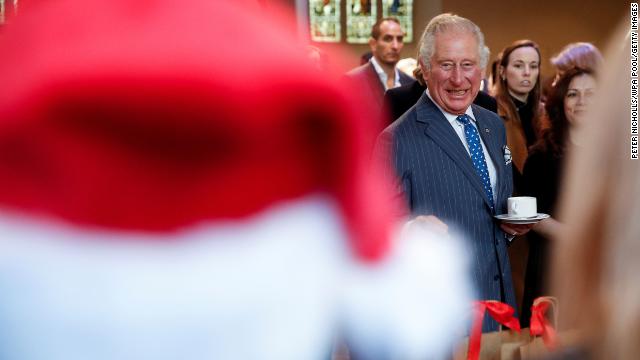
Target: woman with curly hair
[{"x": 566, "y": 107}]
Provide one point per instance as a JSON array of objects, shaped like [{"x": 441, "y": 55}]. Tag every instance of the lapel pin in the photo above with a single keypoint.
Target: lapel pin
[{"x": 487, "y": 130}]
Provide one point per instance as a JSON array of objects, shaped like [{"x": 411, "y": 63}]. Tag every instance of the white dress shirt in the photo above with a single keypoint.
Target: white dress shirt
[
  {"x": 383, "y": 75},
  {"x": 459, "y": 129}
]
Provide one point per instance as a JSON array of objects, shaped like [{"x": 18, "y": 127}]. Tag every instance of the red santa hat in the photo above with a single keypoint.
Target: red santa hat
[{"x": 156, "y": 115}]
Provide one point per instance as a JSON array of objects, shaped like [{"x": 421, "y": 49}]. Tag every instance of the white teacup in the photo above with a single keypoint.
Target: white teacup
[{"x": 522, "y": 206}]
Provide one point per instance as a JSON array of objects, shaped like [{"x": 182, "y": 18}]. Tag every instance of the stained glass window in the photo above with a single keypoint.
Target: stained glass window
[
  {"x": 361, "y": 15},
  {"x": 403, "y": 11},
  {"x": 8, "y": 8},
  {"x": 1, "y": 12},
  {"x": 327, "y": 25},
  {"x": 324, "y": 16}
]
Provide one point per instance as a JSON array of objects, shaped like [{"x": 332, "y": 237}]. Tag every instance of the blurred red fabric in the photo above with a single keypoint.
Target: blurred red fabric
[{"x": 154, "y": 115}]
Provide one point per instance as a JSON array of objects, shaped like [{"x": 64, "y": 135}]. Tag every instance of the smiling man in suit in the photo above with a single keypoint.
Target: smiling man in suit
[{"x": 450, "y": 157}]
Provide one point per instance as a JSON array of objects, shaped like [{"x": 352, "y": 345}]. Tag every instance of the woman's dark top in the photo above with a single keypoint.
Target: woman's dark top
[
  {"x": 525, "y": 111},
  {"x": 541, "y": 177}
]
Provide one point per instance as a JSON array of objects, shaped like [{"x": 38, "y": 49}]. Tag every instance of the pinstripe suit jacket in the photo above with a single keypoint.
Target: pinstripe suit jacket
[{"x": 436, "y": 176}]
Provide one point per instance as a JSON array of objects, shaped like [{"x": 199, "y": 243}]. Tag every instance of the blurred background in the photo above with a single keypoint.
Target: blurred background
[{"x": 550, "y": 23}]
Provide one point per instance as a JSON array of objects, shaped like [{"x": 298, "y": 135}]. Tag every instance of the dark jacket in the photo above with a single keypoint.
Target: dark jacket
[
  {"x": 436, "y": 176},
  {"x": 366, "y": 78}
]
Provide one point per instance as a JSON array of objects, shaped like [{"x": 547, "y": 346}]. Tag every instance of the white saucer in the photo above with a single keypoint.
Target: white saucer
[{"x": 521, "y": 220}]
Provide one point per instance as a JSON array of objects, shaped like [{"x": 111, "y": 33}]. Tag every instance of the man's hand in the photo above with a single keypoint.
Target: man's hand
[
  {"x": 430, "y": 222},
  {"x": 516, "y": 229}
]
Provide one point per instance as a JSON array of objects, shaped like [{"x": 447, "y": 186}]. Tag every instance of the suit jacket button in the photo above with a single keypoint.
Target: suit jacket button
[{"x": 496, "y": 278}]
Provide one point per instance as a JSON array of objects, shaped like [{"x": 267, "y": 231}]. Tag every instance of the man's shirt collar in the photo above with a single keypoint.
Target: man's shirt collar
[
  {"x": 383, "y": 75},
  {"x": 452, "y": 117}
]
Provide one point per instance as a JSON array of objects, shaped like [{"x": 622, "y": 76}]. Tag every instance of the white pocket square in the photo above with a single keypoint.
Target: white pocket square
[{"x": 507, "y": 155}]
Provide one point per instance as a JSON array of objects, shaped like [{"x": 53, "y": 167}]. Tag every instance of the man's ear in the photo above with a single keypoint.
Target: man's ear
[
  {"x": 423, "y": 69},
  {"x": 372, "y": 44}
]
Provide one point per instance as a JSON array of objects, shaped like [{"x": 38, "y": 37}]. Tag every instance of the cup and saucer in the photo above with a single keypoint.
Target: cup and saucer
[{"x": 522, "y": 210}]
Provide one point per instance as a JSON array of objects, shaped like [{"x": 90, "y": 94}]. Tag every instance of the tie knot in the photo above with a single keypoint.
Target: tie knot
[{"x": 464, "y": 119}]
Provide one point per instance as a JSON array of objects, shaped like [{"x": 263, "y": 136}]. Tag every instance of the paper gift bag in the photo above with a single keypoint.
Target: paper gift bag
[
  {"x": 497, "y": 345},
  {"x": 511, "y": 350},
  {"x": 543, "y": 334},
  {"x": 488, "y": 346},
  {"x": 537, "y": 349}
]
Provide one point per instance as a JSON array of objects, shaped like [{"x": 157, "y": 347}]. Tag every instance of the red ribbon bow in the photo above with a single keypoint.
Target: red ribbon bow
[
  {"x": 541, "y": 326},
  {"x": 500, "y": 312}
]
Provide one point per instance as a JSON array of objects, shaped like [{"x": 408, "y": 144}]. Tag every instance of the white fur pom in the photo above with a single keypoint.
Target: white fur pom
[{"x": 414, "y": 304}]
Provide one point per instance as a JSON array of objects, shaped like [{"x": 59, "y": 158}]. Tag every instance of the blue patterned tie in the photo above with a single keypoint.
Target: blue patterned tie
[{"x": 477, "y": 155}]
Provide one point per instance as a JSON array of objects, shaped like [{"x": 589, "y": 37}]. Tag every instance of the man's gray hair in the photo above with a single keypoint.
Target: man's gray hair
[{"x": 450, "y": 22}]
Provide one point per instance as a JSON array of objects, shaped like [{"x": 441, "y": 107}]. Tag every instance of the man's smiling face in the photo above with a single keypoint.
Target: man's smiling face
[{"x": 454, "y": 78}]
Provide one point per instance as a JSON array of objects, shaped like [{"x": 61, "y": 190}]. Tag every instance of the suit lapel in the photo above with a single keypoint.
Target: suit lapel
[
  {"x": 440, "y": 131},
  {"x": 374, "y": 82},
  {"x": 377, "y": 86},
  {"x": 405, "y": 79}
]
